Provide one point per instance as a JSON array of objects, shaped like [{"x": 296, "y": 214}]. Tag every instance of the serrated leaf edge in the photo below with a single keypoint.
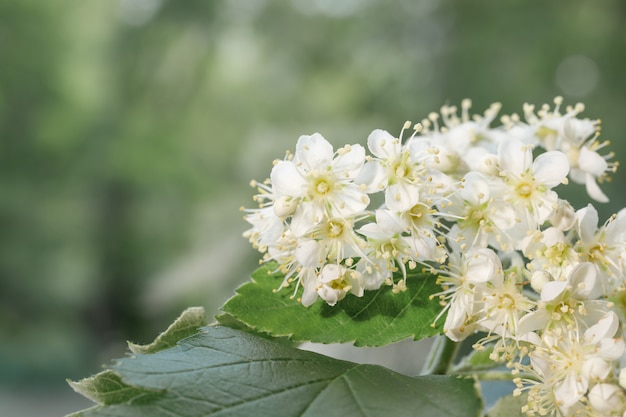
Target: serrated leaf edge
[
  {"x": 271, "y": 333},
  {"x": 195, "y": 315},
  {"x": 82, "y": 386}
]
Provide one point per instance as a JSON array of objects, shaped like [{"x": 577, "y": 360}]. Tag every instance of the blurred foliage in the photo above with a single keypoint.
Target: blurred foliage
[{"x": 129, "y": 130}]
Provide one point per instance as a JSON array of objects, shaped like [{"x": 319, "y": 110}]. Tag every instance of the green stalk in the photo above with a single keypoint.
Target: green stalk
[
  {"x": 441, "y": 356},
  {"x": 497, "y": 376}
]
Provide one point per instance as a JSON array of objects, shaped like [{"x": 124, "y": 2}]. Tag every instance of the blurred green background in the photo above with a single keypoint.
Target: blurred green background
[{"x": 130, "y": 129}]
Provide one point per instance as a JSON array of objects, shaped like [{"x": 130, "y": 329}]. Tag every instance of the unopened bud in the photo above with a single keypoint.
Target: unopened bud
[
  {"x": 564, "y": 216},
  {"x": 489, "y": 165},
  {"x": 539, "y": 279},
  {"x": 285, "y": 206}
]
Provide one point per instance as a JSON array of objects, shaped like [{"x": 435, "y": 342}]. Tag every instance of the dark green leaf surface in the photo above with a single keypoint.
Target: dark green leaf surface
[
  {"x": 378, "y": 318},
  {"x": 226, "y": 372}
]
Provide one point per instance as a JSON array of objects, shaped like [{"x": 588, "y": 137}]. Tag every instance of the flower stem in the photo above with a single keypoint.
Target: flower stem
[
  {"x": 496, "y": 376},
  {"x": 441, "y": 356}
]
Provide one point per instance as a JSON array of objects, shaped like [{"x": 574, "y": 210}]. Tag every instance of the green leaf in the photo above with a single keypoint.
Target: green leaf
[
  {"x": 227, "y": 372},
  {"x": 185, "y": 325},
  {"x": 378, "y": 318},
  {"x": 509, "y": 406},
  {"x": 226, "y": 320},
  {"x": 477, "y": 360},
  {"x": 107, "y": 388}
]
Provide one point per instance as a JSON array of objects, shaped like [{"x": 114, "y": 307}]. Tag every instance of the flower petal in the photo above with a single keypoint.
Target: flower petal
[
  {"x": 587, "y": 223},
  {"x": 306, "y": 217},
  {"x": 315, "y": 152},
  {"x": 593, "y": 189},
  {"x": 604, "y": 328},
  {"x": 349, "y": 164},
  {"x": 550, "y": 168},
  {"x": 611, "y": 349},
  {"x": 552, "y": 290},
  {"x": 308, "y": 253},
  {"x": 514, "y": 156},
  {"x": 383, "y": 145},
  {"x": 475, "y": 188},
  {"x": 401, "y": 196},
  {"x": 310, "y": 282},
  {"x": 583, "y": 279},
  {"x": 570, "y": 391},
  {"x": 373, "y": 177},
  {"x": 591, "y": 162},
  {"x": 286, "y": 180},
  {"x": 349, "y": 201}
]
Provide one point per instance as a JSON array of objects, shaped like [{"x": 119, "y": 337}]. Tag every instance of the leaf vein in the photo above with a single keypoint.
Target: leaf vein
[
  {"x": 330, "y": 383},
  {"x": 247, "y": 401},
  {"x": 353, "y": 394},
  {"x": 196, "y": 369}
]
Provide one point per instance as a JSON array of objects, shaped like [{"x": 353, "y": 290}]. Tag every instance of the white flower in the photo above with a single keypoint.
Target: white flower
[
  {"x": 475, "y": 205},
  {"x": 423, "y": 227},
  {"x": 577, "y": 139},
  {"x": 483, "y": 217},
  {"x": 386, "y": 249},
  {"x": 587, "y": 166},
  {"x": 581, "y": 146},
  {"x": 581, "y": 285},
  {"x": 568, "y": 361},
  {"x": 298, "y": 260},
  {"x": 464, "y": 283},
  {"x": 550, "y": 251},
  {"x": 436, "y": 156},
  {"x": 551, "y": 128},
  {"x": 393, "y": 170},
  {"x": 529, "y": 183},
  {"x": 318, "y": 183},
  {"x": 460, "y": 134},
  {"x": 338, "y": 239},
  {"x": 389, "y": 250},
  {"x": 503, "y": 306},
  {"x": 286, "y": 251},
  {"x": 266, "y": 229},
  {"x": 566, "y": 303},
  {"x": 605, "y": 247},
  {"x": 336, "y": 281}
]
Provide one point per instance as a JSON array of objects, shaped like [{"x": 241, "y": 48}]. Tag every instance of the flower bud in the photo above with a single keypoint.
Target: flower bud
[
  {"x": 285, "y": 206},
  {"x": 488, "y": 165},
  {"x": 564, "y": 217},
  {"x": 595, "y": 368},
  {"x": 539, "y": 279},
  {"x": 607, "y": 399}
]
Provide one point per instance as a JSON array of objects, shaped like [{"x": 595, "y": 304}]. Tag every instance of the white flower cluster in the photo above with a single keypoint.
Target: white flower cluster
[{"x": 475, "y": 205}]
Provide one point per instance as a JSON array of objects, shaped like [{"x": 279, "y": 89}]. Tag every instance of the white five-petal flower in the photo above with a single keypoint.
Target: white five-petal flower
[
  {"x": 319, "y": 183},
  {"x": 529, "y": 182}
]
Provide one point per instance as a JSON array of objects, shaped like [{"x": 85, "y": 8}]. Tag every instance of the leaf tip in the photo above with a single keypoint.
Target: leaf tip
[
  {"x": 74, "y": 384},
  {"x": 184, "y": 326}
]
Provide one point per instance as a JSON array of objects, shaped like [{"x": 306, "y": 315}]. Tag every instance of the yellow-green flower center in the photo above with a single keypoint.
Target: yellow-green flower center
[{"x": 525, "y": 189}]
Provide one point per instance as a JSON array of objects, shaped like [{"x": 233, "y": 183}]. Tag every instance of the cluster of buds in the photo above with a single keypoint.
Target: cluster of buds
[{"x": 475, "y": 205}]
